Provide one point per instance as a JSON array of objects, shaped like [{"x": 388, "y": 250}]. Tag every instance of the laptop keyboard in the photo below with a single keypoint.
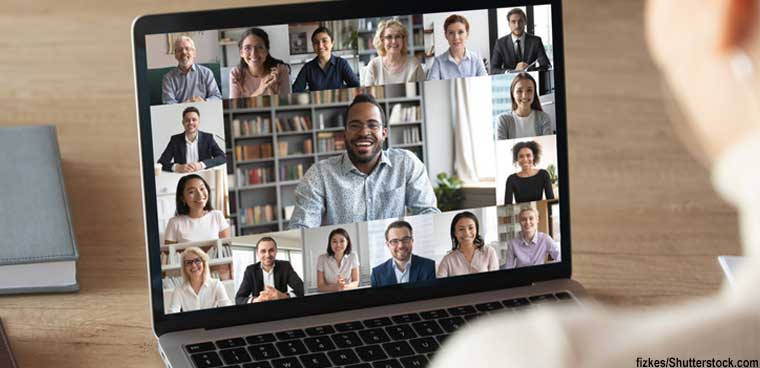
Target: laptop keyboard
[{"x": 402, "y": 341}]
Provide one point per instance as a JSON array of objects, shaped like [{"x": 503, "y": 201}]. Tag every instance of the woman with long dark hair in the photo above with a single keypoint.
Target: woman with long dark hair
[
  {"x": 527, "y": 118},
  {"x": 258, "y": 73},
  {"x": 195, "y": 219},
  {"x": 338, "y": 268},
  {"x": 469, "y": 253}
]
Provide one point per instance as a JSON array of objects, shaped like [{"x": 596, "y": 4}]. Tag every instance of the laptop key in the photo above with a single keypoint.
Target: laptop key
[
  {"x": 230, "y": 343},
  {"x": 360, "y": 365},
  {"x": 319, "y": 343},
  {"x": 349, "y": 326},
  {"x": 434, "y": 314},
  {"x": 200, "y": 347},
  {"x": 471, "y": 317},
  {"x": 427, "y": 328},
  {"x": 564, "y": 296},
  {"x": 346, "y": 340},
  {"x": 406, "y": 318},
  {"x": 291, "y": 347},
  {"x": 462, "y": 310},
  {"x": 207, "y": 360},
  {"x": 390, "y": 363},
  {"x": 398, "y": 349},
  {"x": 318, "y": 360},
  {"x": 235, "y": 356},
  {"x": 260, "y": 339},
  {"x": 400, "y": 332},
  {"x": 424, "y": 345},
  {"x": 515, "y": 303},
  {"x": 417, "y": 361},
  {"x": 343, "y": 357},
  {"x": 374, "y": 336},
  {"x": 543, "y": 298},
  {"x": 286, "y": 363},
  {"x": 378, "y": 322},
  {"x": 451, "y": 324},
  {"x": 257, "y": 365},
  {"x": 441, "y": 338},
  {"x": 320, "y": 330},
  {"x": 263, "y": 352},
  {"x": 489, "y": 307},
  {"x": 290, "y": 335},
  {"x": 371, "y": 353}
]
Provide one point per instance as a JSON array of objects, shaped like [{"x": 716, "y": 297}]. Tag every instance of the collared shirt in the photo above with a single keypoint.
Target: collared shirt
[
  {"x": 337, "y": 74},
  {"x": 179, "y": 87},
  {"x": 192, "y": 153},
  {"x": 445, "y": 67},
  {"x": 329, "y": 265},
  {"x": 334, "y": 191},
  {"x": 269, "y": 281},
  {"x": 521, "y": 253},
  {"x": 211, "y": 295},
  {"x": 455, "y": 263},
  {"x": 522, "y": 45},
  {"x": 402, "y": 277}
]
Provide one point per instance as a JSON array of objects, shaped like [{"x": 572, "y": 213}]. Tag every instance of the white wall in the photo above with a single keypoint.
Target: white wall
[
  {"x": 166, "y": 121},
  {"x": 207, "y": 49},
  {"x": 478, "y": 38},
  {"x": 439, "y": 127},
  {"x": 505, "y": 168}
]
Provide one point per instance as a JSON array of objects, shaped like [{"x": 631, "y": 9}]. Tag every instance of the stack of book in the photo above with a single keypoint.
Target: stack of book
[
  {"x": 291, "y": 171},
  {"x": 251, "y": 127},
  {"x": 331, "y": 141},
  {"x": 254, "y": 176},
  {"x": 296, "y": 123},
  {"x": 245, "y": 152},
  {"x": 257, "y": 215}
]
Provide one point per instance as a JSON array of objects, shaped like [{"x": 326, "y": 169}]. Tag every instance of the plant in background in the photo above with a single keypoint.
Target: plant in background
[
  {"x": 552, "y": 170},
  {"x": 449, "y": 192}
]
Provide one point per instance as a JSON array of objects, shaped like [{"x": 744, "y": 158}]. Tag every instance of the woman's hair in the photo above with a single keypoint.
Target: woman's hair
[
  {"x": 338, "y": 231},
  {"x": 270, "y": 61},
  {"x": 455, "y": 18},
  {"x": 466, "y": 215},
  {"x": 202, "y": 255},
  {"x": 377, "y": 41},
  {"x": 182, "y": 207},
  {"x": 536, "y": 104},
  {"x": 532, "y": 145}
]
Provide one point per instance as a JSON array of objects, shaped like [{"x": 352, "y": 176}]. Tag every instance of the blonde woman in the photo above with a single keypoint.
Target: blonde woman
[
  {"x": 394, "y": 64},
  {"x": 199, "y": 291}
]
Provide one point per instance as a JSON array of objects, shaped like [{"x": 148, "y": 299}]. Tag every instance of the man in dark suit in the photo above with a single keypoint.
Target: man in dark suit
[
  {"x": 269, "y": 278},
  {"x": 191, "y": 150},
  {"x": 518, "y": 50},
  {"x": 403, "y": 266}
]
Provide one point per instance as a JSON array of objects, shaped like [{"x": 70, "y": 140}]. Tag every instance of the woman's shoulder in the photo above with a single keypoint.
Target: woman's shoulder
[
  {"x": 412, "y": 61},
  {"x": 283, "y": 68},
  {"x": 375, "y": 61},
  {"x": 488, "y": 249},
  {"x": 234, "y": 73}
]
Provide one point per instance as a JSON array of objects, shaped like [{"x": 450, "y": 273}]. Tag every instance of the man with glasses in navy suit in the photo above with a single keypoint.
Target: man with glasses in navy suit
[{"x": 403, "y": 266}]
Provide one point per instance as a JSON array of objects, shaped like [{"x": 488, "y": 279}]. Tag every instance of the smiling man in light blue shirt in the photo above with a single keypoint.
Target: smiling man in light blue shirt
[{"x": 365, "y": 183}]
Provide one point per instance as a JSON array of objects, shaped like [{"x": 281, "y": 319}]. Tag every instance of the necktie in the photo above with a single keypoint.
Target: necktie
[{"x": 518, "y": 51}]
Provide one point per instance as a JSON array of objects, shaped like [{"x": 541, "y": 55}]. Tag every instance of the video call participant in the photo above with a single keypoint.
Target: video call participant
[
  {"x": 519, "y": 50},
  {"x": 199, "y": 290},
  {"x": 258, "y": 73},
  {"x": 529, "y": 184},
  {"x": 394, "y": 64},
  {"x": 326, "y": 71},
  {"x": 403, "y": 266},
  {"x": 268, "y": 279},
  {"x": 195, "y": 219},
  {"x": 457, "y": 61},
  {"x": 338, "y": 269},
  {"x": 365, "y": 183},
  {"x": 188, "y": 82},
  {"x": 469, "y": 253},
  {"x": 192, "y": 150},
  {"x": 527, "y": 118},
  {"x": 530, "y": 247}
]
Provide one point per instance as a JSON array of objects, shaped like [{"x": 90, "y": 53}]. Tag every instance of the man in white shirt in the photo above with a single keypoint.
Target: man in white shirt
[
  {"x": 687, "y": 38},
  {"x": 268, "y": 279},
  {"x": 191, "y": 150}
]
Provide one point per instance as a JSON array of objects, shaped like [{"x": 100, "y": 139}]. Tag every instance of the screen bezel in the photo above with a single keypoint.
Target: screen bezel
[{"x": 368, "y": 297}]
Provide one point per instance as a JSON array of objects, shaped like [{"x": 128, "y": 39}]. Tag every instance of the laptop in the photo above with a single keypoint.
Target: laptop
[{"x": 344, "y": 184}]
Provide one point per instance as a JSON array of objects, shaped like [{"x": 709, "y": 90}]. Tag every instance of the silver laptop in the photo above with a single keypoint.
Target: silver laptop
[{"x": 347, "y": 184}]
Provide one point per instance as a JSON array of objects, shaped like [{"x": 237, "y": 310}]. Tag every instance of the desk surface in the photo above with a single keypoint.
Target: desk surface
[{"x": 646, "y": 224}]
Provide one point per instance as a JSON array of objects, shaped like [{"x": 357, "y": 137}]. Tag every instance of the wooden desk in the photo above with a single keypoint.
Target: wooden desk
[{"x": 646, "y": 225}]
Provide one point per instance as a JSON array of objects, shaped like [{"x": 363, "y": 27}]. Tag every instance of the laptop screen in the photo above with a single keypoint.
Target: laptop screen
[{"x": 329, "y": 156}]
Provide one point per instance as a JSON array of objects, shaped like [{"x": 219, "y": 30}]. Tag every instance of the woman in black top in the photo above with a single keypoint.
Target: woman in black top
[{"x": 529, "y": 184}]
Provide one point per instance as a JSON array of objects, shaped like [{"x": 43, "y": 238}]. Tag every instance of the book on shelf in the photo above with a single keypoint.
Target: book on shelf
[
  {"x": 330, "y": 141},
  {"x": 410, "y": 135},
  {"x": 286, "y": 149},
  {"x": 292, "y": 171},
  {"x": 255, "y": 176},
  {"x": 345, "y": 94},
  {"x": 321, "y": 121},
  {"x": 296, "y": 123},
  {"x": 251, "y": 127},
  {"x": 257, "y": 214},
  {"x": 404, "y": 114},
  {"x": 288, "y": 212},
  {"x": 253, "y": 151},
  {"x": 252, "y": 102}
]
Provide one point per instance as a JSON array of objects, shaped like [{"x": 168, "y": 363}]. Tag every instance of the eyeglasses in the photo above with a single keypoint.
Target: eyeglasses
[
  {"x": 356, "y": 126},
  {"x": 406, "y": 240},
  {"x": 194, "y": 261},
  {"x": 393, "y": 37}
]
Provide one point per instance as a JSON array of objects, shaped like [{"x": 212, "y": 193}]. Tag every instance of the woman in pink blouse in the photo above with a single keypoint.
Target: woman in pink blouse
[
  {"x": 258, "y": 73},
  {"x": 468, "y": 254}
]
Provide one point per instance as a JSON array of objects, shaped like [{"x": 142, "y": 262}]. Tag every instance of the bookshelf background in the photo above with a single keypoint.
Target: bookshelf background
[{"x": 274, "y": 140}]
